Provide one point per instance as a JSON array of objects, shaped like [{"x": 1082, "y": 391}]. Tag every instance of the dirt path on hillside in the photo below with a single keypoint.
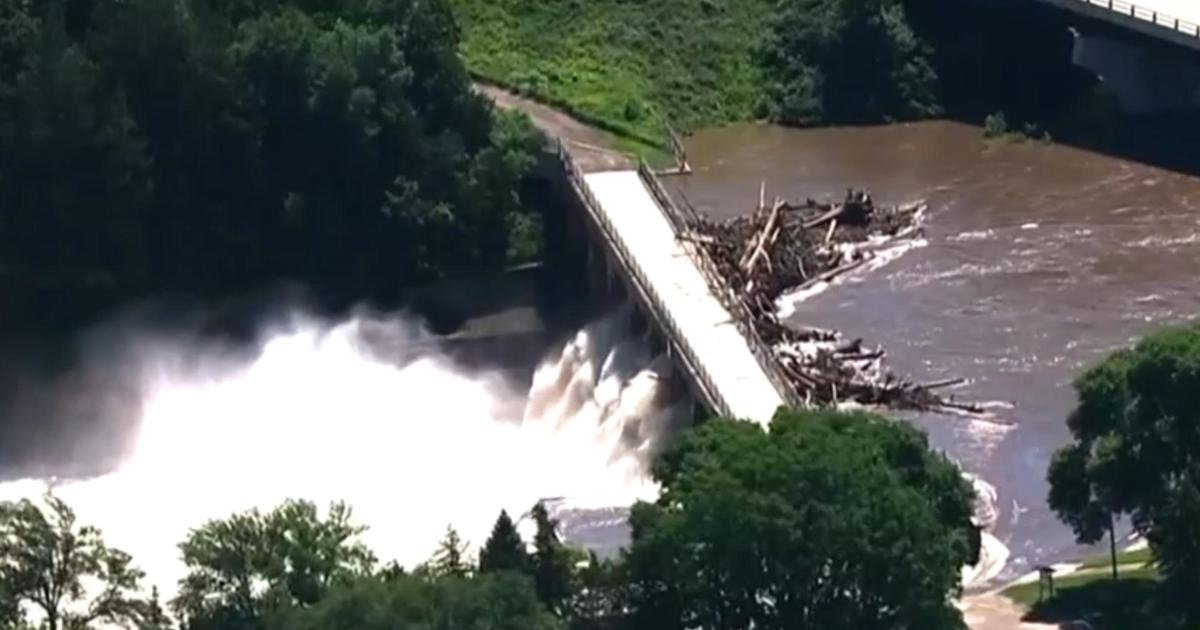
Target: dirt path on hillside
[
  {"x": 593, "y": 149},
  {"x": 993, "y": 611}
]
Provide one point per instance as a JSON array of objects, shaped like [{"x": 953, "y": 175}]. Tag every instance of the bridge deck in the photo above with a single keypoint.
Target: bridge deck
[
  {"x": 1174, "y": 20},
  {"x": 702, "y": 321}
]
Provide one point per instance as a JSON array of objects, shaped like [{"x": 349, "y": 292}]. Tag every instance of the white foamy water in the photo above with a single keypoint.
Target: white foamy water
[{"x": 323, "y": 412}]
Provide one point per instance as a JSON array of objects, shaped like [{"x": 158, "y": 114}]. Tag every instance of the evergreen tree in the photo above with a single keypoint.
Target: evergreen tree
[
  {"x": 551, "y": 561},
  {"x": 504, "y": 550},
  {"x": 153, "y": 616},
  {"x": 450, "y": 558}
]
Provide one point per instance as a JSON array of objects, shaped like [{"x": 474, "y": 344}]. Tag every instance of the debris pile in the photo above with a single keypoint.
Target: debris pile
[{"x": 784, "y": 247}]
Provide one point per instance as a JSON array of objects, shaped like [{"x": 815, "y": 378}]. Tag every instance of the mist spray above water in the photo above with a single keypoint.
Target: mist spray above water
[{"x": 370, "y": 411}]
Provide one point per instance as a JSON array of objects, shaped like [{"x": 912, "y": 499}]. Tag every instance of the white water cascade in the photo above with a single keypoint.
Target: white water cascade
[{"x": 324, "y": 412}]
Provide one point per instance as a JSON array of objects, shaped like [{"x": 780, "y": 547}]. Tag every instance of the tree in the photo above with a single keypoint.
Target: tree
[
  {"x": 828, "y": 520},
  {"x": 10, "y": 611},
  {"x": 1135, "y": 451},
  {"x": 598, "y": 600},
  {"x": 450, "y": 558},
  {"x": 498, "y": 601},
  {"x": 212, "y": 146},
  {"x": 63, "y": 570},
  {"x": 551, "y": 562},
  {"x": 504, "y": 550},
  {"x": 845, "y": 61},
  {"x": 250, "y": 564},
  {"x": 154, "y": 617}
]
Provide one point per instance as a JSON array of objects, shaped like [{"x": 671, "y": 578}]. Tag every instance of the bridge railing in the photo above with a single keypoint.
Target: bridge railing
[
  {"x": 1138, "y": 12},
  {"x": 681, "y": 221},
  {"x": 654, "y": 301}
]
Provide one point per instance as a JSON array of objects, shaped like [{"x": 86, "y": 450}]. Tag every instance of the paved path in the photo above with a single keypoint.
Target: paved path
[
  {"x": 993, "y": 611},
  {"x": 591, "y": 148},
  {"x": 705, "y": 325}
]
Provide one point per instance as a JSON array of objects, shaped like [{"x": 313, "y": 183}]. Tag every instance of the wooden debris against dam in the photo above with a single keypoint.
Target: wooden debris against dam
[{"x": 786, "y": 247}]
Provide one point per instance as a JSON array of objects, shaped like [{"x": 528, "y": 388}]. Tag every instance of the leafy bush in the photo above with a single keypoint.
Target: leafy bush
[{"x": 995, "y": 125}]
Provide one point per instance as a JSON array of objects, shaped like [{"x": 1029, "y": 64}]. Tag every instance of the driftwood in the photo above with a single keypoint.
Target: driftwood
[{"x": 794, "y": 246}]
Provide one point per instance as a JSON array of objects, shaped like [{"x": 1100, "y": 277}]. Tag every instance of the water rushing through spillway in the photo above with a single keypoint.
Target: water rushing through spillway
[{"x": 371, "y": 412}]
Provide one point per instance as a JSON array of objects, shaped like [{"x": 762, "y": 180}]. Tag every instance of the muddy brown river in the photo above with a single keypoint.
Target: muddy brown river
[{"x": 1039, "y": 260}]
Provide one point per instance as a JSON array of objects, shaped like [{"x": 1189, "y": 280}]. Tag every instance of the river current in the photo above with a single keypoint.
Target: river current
[{"x": 1038, "y": 260}]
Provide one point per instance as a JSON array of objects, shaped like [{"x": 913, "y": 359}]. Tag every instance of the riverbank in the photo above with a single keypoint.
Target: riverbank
[
  {"x": 1083, "y": 590},
  {"x": 626, "y": 66},
  {"x": 1039, "y": 259}
]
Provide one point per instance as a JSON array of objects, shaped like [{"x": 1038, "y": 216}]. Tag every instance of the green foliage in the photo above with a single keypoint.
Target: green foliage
[
  {"x": 828, "y": 520},
  {"x": 207, "y": 145},
  {"x": 1140, "y": 558},
  {"x": 552, "y": 571},
  {"x": 845, "y": 61},
  {"x": 629, "y": 64},
  {"x": 250, "y": 564},
  {"x": 450, "y": 559},
  {"x": 1106, "y": 604},
  {"x": 1135, "y": 450},
  {"x": 697, "y": 62},
  {"x": 63, "y": 570},
  {"x": 504, "y": 549},
  {"x": 995, "y": 125},
  {"x": 599, "y": 595},
  {"x": 503, "y": 601}
]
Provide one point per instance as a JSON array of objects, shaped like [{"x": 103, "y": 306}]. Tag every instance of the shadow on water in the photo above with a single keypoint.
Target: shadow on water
[{"x": 1017, "y": 58}]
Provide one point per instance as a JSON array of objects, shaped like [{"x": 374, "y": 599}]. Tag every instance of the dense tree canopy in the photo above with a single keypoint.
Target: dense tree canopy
[
  {"x": 552, "y": 570},
  {"x": 845, "y": 61},
  {"x": 248, "y": 565},
  {"x": 503, "y": 601},
  {"x": 1136, "y": 451},
  {"x": 63, "y": 571},
  {"x": 206, "y": 145},
  {"x": 504, "y": 549},
  {"x": 826, "y": 521}
]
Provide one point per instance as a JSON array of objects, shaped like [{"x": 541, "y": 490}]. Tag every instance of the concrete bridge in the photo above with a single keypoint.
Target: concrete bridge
[
  {"x": 1174, "y": 21},
  {"x": 1146, "y": 51},
  {"x": 630, "y": 228}
]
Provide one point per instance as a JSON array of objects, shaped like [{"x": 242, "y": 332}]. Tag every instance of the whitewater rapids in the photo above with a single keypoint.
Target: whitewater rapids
[{"x": 326, "y": 412}]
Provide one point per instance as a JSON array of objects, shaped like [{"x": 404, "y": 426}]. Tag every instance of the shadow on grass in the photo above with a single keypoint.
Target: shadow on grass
[{"x": 1125, "y": 604}]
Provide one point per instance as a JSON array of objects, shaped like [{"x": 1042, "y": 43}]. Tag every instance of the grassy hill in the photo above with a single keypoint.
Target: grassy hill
[{"x": 625, "y": 64}]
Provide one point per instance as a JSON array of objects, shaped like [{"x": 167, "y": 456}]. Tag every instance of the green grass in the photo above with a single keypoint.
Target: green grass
[
  {"x": 1092, "y": 595},
  {"x": 627, "y": 65},
  {"x": 1069, "y": 585},
  {"x": 1141, "y": 557}
]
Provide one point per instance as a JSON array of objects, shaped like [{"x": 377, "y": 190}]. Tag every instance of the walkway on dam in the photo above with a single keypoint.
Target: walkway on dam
[{"x": 701, "y": 321}]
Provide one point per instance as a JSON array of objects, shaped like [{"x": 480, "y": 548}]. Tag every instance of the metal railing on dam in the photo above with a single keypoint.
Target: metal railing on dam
[
  {"x": 649, "y": 297},
  {"x": 680, "y": 221}
]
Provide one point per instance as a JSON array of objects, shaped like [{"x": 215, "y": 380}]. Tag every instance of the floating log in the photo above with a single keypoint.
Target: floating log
[{"x": 778, "y": 249}]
